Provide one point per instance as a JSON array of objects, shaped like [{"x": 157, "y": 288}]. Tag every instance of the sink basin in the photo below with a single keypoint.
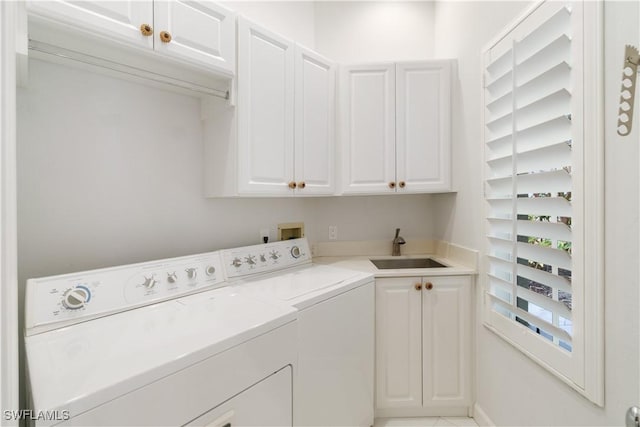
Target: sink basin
[{"x": 386, "y": 264}]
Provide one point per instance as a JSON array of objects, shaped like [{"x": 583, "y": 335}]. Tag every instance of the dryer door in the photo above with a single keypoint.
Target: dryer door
[{"x": 267, "y": 403}]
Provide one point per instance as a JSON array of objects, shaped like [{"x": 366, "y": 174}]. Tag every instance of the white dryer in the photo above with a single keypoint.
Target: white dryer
[
  {"x": 334, "y": 381},
  {"x": 158, "y": 343}
]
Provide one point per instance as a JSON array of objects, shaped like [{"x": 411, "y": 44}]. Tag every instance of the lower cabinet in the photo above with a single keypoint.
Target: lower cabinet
[{"x": 423, "y": 345}]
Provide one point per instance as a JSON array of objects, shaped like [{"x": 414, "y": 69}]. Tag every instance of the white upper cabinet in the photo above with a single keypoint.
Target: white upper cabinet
[
  {"x": 265, "y": 111},
  {"x": 368, "y": 115},
  {"x": 423, "y": 117},
  {"x": 116, "y": 19},
  {"x": 395, "y": 130},
  {"x": 200, "y": 32},
  {"x": 285, "y": 116},
  {"x": 314, "y": 123}
]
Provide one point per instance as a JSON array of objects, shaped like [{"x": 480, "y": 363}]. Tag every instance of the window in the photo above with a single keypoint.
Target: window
[{"x": 543, "y": 179}]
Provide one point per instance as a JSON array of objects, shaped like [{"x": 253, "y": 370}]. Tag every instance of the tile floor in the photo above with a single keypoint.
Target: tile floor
[{"x": 426, "y": 422}]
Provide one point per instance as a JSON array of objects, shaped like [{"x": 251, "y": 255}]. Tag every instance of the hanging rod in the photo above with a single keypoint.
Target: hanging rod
[{"x": 117, "y": 67}]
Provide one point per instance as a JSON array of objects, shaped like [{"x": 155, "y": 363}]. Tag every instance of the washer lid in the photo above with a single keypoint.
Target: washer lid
[
  {"x": 301, "y": 284},
  {"x": 82, "y": 366}
]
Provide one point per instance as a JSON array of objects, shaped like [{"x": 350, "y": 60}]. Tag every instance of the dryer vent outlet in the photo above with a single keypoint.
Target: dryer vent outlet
[{"x": 290, "y": 230}]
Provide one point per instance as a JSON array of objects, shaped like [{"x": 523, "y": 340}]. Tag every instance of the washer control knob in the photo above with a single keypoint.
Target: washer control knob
[
  {"x": 295, "y": 252},
  {"x": 210, "y": 270},
  {"x": 149, "y": 282},
  {"x": 250, "y": 259},
  {"x": 274, "y": 255},
  {"x": 172, "y": 277},
  {"x": 263, "y": 258},
  {"x": 76, "y": 298},
  {"x": 191, "y": 273},
  {"x": 236, "y": 262}
]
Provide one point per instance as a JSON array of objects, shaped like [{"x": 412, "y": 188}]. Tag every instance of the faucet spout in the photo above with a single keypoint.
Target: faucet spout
[{"x": 397, "y": 241}]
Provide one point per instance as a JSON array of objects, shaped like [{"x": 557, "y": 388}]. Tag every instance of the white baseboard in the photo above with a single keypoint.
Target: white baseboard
[
  {"x": 481, "y": 418},
  {"x": 456, "y": 411}
]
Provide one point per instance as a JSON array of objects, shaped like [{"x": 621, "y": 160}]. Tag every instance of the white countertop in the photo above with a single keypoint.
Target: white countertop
[
  {"x": 362, "y": 263},
  {"x": 357, "y": 256}
]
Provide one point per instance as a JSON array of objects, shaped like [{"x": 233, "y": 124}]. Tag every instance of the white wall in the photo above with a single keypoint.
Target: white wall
[
  {"x": 119, "y": 175},
  {"x": 108, "y": 174},
  {"x": 353, "y": 32},
  {"x": 512, "y": 389},
  {"x": 370, "y": 217},
  {"x": 461, "y": 30}
]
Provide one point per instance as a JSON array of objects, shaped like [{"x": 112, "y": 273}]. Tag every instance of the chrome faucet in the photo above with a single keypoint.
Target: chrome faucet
[{"x": 397, "y": 241}]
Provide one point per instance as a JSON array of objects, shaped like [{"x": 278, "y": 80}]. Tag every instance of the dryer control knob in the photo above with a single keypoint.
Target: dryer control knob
[
  {"x": 295, "y": 252},
  {"x": 172, "y": 277},
  {"x": 210, "y": 270},
  {"x": 191, "y": 273},
  {"x": 149, "y": 282},
  {"x": 76, "y": 298}
]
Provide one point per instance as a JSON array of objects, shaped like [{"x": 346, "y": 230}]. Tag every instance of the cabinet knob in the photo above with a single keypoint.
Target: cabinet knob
[
  {"x": 402, "y": 184},
  {"x": 418, "y": 286},
  {"x": 165, "y": 36},
  {"x": 146, "y": 30},
  {"x": 302, "y": 184},
  {"x": 392, "y": 184},
  {"x": 428, "y": 286},
  {"x": 292, "y": 185}
]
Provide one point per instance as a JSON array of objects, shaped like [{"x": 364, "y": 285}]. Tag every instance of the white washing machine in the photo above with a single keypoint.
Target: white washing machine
[
  {"x": 158, "y": 343},
  {"x": 333, "y": 384}
]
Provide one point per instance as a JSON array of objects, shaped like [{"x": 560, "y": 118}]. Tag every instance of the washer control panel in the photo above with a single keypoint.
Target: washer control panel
[
  {"x": 58, "y": 301},
  {"x": 249, "y": 260}
]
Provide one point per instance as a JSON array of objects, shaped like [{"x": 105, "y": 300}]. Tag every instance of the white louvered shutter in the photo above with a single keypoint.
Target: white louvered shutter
[{"x": 534, "y": 188}]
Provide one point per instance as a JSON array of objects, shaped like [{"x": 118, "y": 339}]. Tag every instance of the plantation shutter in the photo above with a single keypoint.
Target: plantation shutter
[
  {"x": 529, "y": 183},
  {"x": 534, "y": 148}
]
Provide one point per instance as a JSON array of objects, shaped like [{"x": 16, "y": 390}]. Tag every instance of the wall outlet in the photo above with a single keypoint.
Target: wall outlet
[
  {"x": 264, "y": 232},
  {"x": 333, "y": 232}
]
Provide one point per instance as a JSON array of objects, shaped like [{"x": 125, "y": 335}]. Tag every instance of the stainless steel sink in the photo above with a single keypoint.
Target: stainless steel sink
[{"x": 386, "y": 264}]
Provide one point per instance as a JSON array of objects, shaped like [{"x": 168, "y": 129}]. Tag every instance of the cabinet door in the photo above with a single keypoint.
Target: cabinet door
[
  {"x": 423, "y": 126},
  {"x": 368, "y": 128},
  {"x": 265, "y": 111},
  {"x": 201, "y": 32},
  {"x": 398, "y": 343},
  {"x": 446, "y": 320},
  {"x": 113, "y": 19},
  {"x": 314, "y": 123}
]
